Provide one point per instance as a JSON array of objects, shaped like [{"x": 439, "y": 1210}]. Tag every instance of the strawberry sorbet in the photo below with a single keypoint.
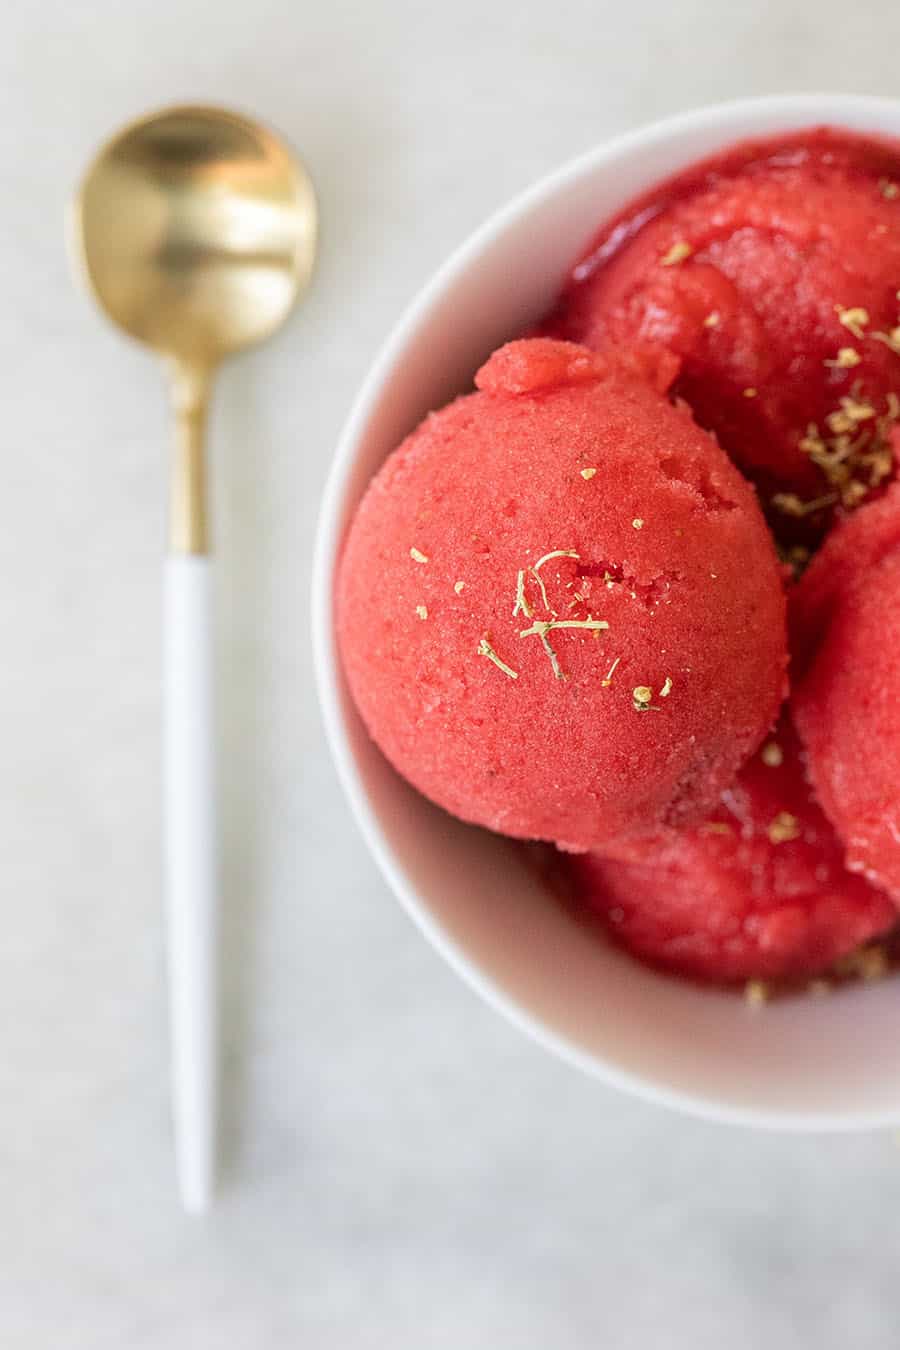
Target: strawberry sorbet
[
  {"x": 559, "y": 609},
  {"x": 759, "y": 890},
  {"x": 846, "y": 621},
  {"x": 773, "y": 272}
]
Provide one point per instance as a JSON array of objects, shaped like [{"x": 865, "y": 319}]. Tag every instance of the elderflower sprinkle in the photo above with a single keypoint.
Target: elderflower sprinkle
[
  {"x": 851, "y": 412},
  {"x": 522, "y": 602},
  {"x": 789, "y": 504},
  {"x": 772, "y": 755},
  {"x": 485, "y": 649},
  {"x": 587, "y": 474},
  {"x": 542, "y": 588},
  {"x": 854, "y": 493},
  {"x": 846, "y": 359},
  {"x": 637, "y": 523},
  {"x": 535, "y": 571},
  {"x": 784, "y": 828},
  {"x": 891, "y": 340},
  {"x": 867, "y": 963},
  {"x": 873, "y": 963},
  {"x": 641, "y": 697},
  {"x": 418, "y": 556},
  {"x": 553, "y": 658},
  {"x": 545, "y": 626},
  {"x": 459, "y": 587},
  {"x": 751, "y": 391},
  {"x": 422, "y": 611},
  {"x": 756, "y": 993},
  {"x": 890, "y": 191},
  {"x": 712, "y": 319},
  {"x": 676, "y": 254},
  {"x": 853, "y": 451},
  {"x": 607, "y": 679},
  {"x": 667, "y": 687},
  {"x": 554, "y": 553},
  {"x": 854, "y": 318}
]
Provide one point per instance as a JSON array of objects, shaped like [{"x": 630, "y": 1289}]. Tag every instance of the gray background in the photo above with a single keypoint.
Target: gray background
[{"x": 403, "y": 1169}]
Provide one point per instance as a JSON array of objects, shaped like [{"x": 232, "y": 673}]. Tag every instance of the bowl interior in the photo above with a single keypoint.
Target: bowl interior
[{"x": 803, "y": 1063}]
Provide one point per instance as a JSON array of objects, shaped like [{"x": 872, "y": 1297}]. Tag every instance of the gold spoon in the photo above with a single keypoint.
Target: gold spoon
[{"x": 195, "y": 229}]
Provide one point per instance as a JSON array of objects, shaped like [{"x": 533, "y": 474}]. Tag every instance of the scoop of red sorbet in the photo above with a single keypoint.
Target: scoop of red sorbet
[
  {"x": 759, "y": 891},
  {"x": 846, "y": 625},
  {"x": 558, "y": 606},
  {"x": 773, "y": 272}
]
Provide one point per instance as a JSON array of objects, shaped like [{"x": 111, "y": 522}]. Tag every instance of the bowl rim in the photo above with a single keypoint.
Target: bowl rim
[{"x": 734, "y": 119}]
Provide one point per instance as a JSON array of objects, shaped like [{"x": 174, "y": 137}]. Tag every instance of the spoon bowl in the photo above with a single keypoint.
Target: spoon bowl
[{"x": 196, "y": 231}]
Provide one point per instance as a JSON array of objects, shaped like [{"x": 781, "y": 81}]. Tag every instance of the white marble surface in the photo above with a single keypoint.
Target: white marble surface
[{"x": 403, "y": 1170}]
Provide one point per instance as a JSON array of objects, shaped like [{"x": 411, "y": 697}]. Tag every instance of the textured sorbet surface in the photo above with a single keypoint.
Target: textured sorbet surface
[
  {"x": 759, "y": 890},
  {"x": 846, "y": 624},
  {"x": 773, "y": 273},
  {"x": 559, "y": 608}
]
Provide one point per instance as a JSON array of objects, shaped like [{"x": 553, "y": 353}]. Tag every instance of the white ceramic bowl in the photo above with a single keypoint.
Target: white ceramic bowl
[{"x": 805, "y": 1063}]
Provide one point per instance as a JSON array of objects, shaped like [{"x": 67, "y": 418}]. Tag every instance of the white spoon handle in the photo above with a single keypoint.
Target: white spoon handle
[{"x": 191, "y": 873}]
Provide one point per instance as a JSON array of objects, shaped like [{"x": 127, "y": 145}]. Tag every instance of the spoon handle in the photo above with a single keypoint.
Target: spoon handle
[
  {"x": 191, "y": 843},
  {"x": 191, "y": 880}
]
